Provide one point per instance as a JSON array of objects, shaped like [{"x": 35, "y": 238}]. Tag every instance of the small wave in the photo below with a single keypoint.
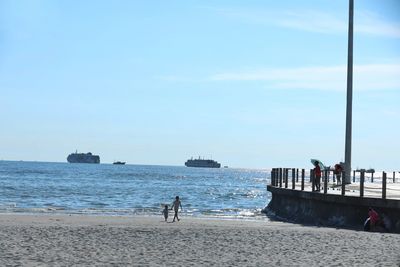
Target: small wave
[
  {"x": 261, "y": 179},
  {"x": 98, "y": 204},
  {"x": 7, "y": 205},
  {"x": 231, "y": 212},
  {"x": 9, "y": 188},
  {"x": 55, "y": 208}
]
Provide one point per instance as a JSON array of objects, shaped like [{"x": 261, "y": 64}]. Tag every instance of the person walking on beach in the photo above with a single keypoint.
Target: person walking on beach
[
  {"x": 165, "y": 212},
  {"x": 175, "y": 205},
  {"x": 317, "y": 173}
]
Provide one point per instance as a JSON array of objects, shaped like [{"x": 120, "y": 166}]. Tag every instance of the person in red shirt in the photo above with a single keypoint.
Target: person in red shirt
[
  {"x": 317, "y": 173},
  {"x": 373, "y": 218}
]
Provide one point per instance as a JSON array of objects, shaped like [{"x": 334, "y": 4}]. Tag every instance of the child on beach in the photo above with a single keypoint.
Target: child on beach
[
  {"x": 165, "y": 212},
  {"x": 176, "y": 204}
]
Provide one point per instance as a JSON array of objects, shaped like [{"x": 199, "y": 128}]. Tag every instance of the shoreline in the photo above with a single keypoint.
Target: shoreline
[
  {"x": 64, "y": 240},
  {"x": 259, "y": 217},
  {"x": 124, "y": 220}
]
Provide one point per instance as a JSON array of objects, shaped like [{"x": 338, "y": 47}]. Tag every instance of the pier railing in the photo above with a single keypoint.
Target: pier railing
[{"x": 364, "y": 183}]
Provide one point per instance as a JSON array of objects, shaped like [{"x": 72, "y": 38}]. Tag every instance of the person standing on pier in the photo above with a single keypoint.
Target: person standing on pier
[
  {"x": 338, "y": 172},
  {"x": 317, "y": 173}
]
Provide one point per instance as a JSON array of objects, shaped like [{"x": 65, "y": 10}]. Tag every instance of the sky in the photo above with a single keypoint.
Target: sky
[{"x": 251, "y": 84}]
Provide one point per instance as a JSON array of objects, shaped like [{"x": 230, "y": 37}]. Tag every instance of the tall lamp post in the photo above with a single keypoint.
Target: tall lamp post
[{"x": 347, "y": 178}]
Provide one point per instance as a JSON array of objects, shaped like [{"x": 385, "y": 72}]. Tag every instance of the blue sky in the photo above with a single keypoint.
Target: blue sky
[{"x": 253, "y": 84}]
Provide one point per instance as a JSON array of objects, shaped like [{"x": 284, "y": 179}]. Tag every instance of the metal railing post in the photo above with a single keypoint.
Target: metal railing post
[
  {"x": 362, "y": 176},
  {"x": 293, "y": 178},
  {"x": 286, "y": 177},
  {"x": 384, "y": 185},
  {"x": 325, "y": 181},
  {"x": 312, "y": 178},
  {"x": 343, "y": 183}
]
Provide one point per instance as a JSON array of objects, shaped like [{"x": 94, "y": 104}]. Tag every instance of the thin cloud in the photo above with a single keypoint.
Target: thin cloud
[
  {"x": 311, "y": 21},
  {"x": 176, "y": 78},
  {"x": 366, "y": 77},
  {"x": 373, "y": 24},
  {"x": 366, "y": 22}
]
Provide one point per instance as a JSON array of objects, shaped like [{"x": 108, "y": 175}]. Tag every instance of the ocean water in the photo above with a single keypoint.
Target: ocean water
[{"x": 41, "y": 187}]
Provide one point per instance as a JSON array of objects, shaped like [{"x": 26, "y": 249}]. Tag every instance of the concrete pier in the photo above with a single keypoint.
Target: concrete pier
[{"x": 344, "y": 206}]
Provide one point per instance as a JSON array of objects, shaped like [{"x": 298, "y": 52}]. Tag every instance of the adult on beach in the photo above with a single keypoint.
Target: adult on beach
[
  {"x": 175, "y": 205},
  {"x": 373, "y": 218},
  {"x": 317, "y": 173}
]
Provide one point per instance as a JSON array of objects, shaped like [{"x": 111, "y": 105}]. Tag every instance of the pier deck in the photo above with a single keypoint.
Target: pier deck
[{"x": 295, "y": 198}]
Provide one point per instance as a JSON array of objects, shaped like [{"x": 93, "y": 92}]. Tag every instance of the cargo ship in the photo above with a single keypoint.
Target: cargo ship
[
  {"x": 202, "y": 163},
  {"x": 83, "y": 158}
]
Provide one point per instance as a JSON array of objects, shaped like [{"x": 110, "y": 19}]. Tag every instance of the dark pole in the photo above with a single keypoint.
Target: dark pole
[
  {"x": 347, "y": 179},
  {"x": 384, "y": 185},
  {"x": 293, "y": 178}
]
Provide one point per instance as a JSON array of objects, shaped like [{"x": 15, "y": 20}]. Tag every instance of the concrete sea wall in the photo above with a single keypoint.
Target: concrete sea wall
[{"x": 330, "y": 210}]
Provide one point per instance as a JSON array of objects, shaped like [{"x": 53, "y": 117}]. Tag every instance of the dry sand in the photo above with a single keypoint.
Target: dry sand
[{"x": 62, "y": 240}]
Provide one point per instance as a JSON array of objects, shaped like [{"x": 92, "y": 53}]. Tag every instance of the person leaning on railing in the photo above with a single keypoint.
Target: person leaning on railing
[
  {"x": 338, "y": 172},
  {"x": 317, "y": 173}
]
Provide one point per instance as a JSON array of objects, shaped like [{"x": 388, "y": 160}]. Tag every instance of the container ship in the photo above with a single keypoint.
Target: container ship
[
  {"x": 83, "y": 158},
  {"x": 202, "y": 163}
]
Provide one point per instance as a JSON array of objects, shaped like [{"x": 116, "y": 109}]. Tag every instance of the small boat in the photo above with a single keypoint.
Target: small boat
[{"x": 119, "y": 163}]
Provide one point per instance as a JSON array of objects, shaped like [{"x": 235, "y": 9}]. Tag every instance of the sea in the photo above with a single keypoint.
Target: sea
[{"x": 128, "y": 190}]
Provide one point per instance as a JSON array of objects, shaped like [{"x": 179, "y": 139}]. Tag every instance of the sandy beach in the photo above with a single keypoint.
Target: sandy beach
[{"x": 78, "y": 240}]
